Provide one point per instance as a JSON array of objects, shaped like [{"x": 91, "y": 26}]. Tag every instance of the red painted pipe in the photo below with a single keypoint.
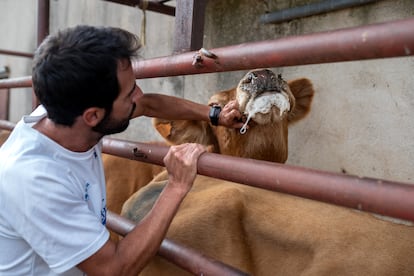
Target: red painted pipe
[
  {"x": 182, "y": 256},
  {"x": 7, "y": 125},
  {"x": 392, "y": 39},
  {"x": 43, "y": 12},
  {"x": 16, "y": 82},
  {"x": 384, "y": 197},
  {"x": 15, "y": 53}
]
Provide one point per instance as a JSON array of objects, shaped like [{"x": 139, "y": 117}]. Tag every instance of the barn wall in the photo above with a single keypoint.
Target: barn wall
[
  {"x": 360, "y": 121},
  {"x": 17, "y": 33}
]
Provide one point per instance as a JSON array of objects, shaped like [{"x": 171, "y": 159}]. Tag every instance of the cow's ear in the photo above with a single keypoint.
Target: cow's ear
[
  {"x": 303, "y": 91},
  {"x": 177, "y": 132}
]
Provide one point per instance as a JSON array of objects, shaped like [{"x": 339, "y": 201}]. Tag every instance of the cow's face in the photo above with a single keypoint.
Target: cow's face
[
  {"x": 269, "y": 103},
  {"x": 264, "y": 97}
]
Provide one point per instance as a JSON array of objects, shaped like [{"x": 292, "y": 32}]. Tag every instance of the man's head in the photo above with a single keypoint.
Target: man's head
[{"x": 77, "y": 68}]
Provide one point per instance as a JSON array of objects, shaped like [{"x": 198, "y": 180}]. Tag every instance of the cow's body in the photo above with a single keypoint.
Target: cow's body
[
  {"x": 269, "y": 233},
  {"x": 263, "y": 232}
]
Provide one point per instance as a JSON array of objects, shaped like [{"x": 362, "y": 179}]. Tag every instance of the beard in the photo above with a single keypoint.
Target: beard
[{"x": 110, "y": 126}]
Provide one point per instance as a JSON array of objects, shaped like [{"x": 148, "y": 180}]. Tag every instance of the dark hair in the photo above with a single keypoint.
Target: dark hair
[{"x": 77, "y": 69}]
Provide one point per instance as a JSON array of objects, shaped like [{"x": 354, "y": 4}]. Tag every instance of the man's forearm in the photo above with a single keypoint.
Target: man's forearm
[
  {"x": 169, "y": 107},
  {"x": 142, "y": 243}
]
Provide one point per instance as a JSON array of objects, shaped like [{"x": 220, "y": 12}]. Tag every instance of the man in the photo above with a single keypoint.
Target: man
[{"x": 52, "y": 193}]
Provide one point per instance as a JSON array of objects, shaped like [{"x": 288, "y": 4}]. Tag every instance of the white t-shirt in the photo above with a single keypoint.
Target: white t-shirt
[{"x": 52, "y": 203}]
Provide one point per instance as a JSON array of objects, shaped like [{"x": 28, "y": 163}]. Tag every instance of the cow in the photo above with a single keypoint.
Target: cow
[
  {"x": 124, "y": 177},
  {"x": 4, "y": 134},
  {"x": 263, "y": 232}
]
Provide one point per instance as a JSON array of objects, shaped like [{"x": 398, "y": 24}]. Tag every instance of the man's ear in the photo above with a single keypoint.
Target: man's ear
[{"x": 93, "y": 115}]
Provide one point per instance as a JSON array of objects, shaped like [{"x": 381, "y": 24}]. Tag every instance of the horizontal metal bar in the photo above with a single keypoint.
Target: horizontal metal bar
[
  {"x": 155, "y": 6},
  {"x": 386, "y": 40},
  {"x": 7, "y": 125},
  {"x": 182, "y": 256},
  {"x": 311, "y": 9},
  {"x": 392, "y": 39},
  {"x": 383, "y": 197},
  {"x": 15, "y": 53},
  {"x": 19, "y": 82}
]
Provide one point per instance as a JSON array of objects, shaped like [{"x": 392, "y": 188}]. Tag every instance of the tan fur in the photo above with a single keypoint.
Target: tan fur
[
  {"x": 269, "y": 233},
  {"x": 4, "y": 134}
]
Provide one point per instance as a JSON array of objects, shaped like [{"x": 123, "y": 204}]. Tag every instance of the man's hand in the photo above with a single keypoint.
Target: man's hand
[
  {"x": 230, "y": 115},
  {"x": 181, "y": 164}
]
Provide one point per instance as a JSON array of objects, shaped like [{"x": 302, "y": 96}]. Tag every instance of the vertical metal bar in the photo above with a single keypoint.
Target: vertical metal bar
[
  {"x": 4, "y": 104},
  {"x": 43, "y": 10},
  {"x": 4, "y": 95},
  {"x": 189, "y": 25}
]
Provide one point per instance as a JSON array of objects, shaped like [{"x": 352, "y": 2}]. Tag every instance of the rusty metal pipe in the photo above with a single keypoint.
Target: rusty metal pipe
[
  {"x": 184, "y": 257},
  {"x": 392, "y": 39},
  {"x": 19, "y": 82},
  {"x": 384, "y": 197},
  {"x": 43, "y": 12},
  {"x": 7, "y": 125},
  {"x": 15, "y": 53}
]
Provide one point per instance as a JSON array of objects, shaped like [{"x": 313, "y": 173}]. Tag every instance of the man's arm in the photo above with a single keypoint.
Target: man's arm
[
  {"x": 132, "y": 253},
  {"x": 174, "y": 108}
]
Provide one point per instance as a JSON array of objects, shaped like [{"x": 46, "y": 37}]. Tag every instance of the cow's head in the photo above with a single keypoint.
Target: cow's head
[{"x": 269, "y": 104}]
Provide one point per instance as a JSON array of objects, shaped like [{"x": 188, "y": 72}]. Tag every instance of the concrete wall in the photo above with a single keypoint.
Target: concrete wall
[
  {"x": 361, "y": 119},
  {"x": 18, "y": 33}
]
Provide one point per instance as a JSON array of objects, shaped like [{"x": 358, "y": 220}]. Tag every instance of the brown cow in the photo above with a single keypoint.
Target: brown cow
[
  {"x": 269, "y": 233},
  {"x": 118, "y": 171},
  {"x": 4, "y": 134}
]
